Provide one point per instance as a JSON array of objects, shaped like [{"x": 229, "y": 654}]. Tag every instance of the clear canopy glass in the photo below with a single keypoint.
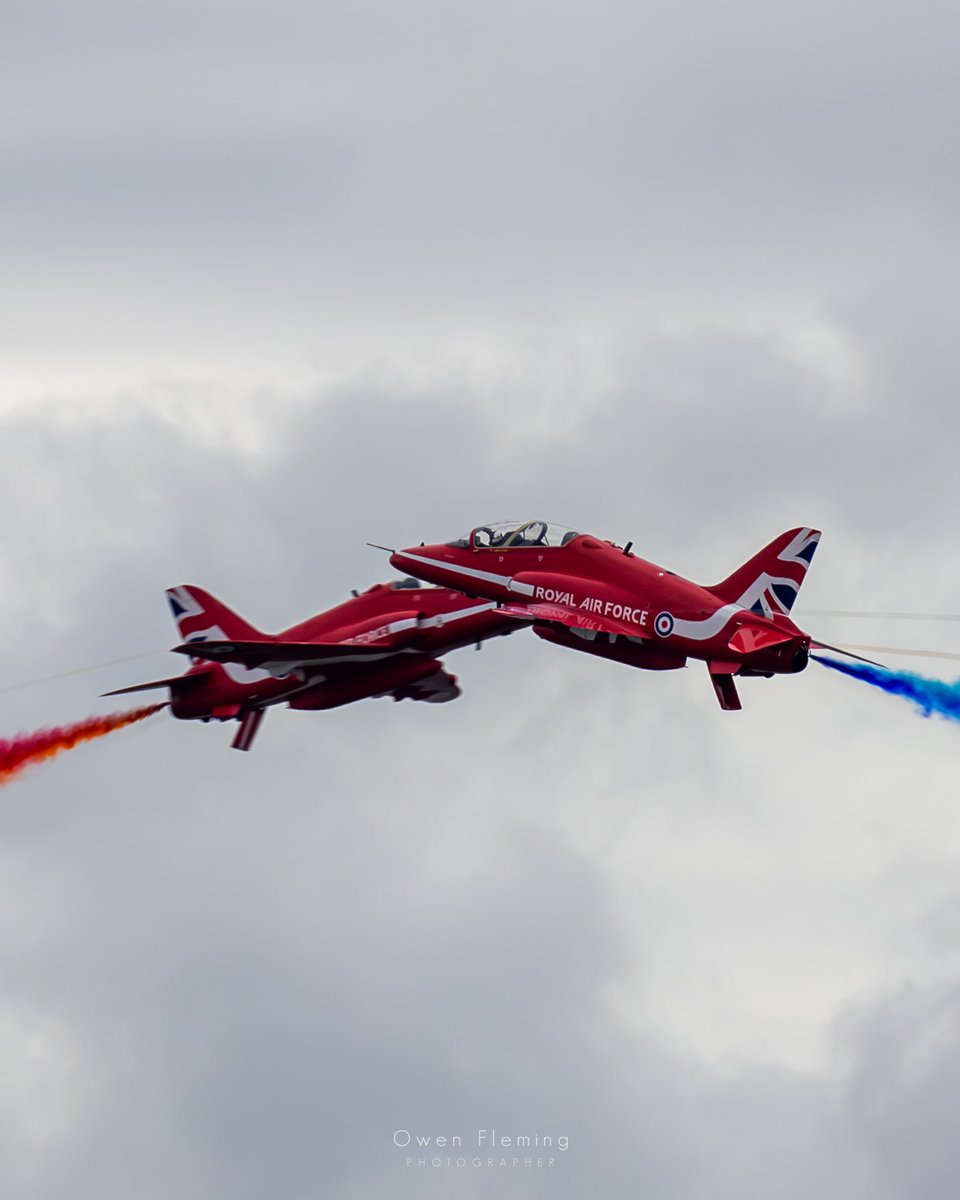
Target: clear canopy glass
[{"x": 516, "y": 535}]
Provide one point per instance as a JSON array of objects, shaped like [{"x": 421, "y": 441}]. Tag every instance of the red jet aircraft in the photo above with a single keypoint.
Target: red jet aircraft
[
  {"x": 385, "y": 642},
  {"x": 592, "y": 595}
]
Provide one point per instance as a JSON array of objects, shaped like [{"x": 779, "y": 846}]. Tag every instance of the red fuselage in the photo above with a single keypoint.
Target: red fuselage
[
  {"x": 595, "y": 597},
  {"x": 413, "y": 626}
]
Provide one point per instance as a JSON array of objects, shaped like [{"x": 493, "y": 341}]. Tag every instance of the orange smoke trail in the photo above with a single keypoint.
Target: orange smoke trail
[{"x": 26, "y": 748}]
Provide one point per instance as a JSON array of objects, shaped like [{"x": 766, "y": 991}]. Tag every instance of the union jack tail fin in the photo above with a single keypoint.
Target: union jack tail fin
[
  {"x": 768, "y": 583},
  {"x": 201, "y": 617}
]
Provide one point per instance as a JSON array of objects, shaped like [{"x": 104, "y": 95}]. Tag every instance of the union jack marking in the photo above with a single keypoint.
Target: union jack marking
[{"x": 770, "y": 594}]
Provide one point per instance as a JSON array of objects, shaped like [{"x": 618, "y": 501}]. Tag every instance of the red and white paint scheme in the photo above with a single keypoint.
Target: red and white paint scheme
[
  {"x": 383, "y": 642},
  {"x": 592, "y": 595}
]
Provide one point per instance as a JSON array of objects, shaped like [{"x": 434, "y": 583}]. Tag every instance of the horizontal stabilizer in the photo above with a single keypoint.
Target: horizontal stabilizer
[
  {"x": 900, "y": 650},
  {"x": 180, "y": 682},
  {"x": 848, "y": 653}
]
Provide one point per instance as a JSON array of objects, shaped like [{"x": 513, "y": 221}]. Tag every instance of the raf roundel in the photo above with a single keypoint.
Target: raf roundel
[{"x": 663, "y": 624}]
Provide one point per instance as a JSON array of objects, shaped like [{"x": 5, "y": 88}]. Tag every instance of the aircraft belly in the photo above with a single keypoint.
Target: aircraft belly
[
  {"x": 375, "y": 680},
  {"x": 220, "y": 693},
  {"x": 629, "y": 651}
]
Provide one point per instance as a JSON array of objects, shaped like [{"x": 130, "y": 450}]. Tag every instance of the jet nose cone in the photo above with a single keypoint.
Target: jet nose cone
[{"x": 398, "y": 560}]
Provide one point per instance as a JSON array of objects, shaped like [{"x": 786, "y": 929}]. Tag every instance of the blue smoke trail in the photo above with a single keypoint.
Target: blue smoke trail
[{"x": 929, "y": 695}]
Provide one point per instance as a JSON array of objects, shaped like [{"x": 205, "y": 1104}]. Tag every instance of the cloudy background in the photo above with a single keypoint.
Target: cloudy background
[{"x": 282, "y": 278}]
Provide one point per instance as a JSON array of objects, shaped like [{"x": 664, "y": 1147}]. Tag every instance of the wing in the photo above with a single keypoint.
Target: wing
[
  {"x": 285, "y": 657},
  {"x": 182, "y": 683},
  {"x": 571, "y": 618}
]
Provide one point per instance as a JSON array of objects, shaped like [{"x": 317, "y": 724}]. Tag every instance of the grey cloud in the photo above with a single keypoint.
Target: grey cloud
[
  {"x": 220, "y": 188},
  {"x": 374, "y": 274},
  {"x": 269, "y": 963},
  {"x": 504, "y": 168},
  {"x": 903, "y": 1048}
]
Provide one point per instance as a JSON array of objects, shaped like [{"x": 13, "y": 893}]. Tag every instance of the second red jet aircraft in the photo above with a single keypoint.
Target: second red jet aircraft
[{"x": 385, "y": 641}]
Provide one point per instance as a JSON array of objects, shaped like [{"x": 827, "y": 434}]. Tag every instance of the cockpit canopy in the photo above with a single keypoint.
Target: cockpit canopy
[
  {"x": 393, "y": 585},
  {"x": 515, "y": 535}
]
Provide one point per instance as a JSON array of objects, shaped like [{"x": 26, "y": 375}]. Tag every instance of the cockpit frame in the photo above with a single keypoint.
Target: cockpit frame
[{"x": 516, "y": 535}]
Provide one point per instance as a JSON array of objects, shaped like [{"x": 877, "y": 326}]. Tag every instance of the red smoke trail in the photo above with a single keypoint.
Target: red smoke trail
[{"x": 26, "y": 748}]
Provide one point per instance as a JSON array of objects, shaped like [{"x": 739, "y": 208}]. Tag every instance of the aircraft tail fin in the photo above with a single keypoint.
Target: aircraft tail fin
[
  {"x": 201, "y": 617},
  {"x": 768, "y": 583}
]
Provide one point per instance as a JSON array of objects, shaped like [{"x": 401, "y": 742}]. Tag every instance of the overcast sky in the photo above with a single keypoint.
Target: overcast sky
[{"x": 279, "y": 279}]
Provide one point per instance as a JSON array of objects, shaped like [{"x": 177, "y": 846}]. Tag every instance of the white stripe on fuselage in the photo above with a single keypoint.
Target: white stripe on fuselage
[
  {"x": 700, "y": 631},
  {"x": 505, "y": 581},
  {"x": 246, "y": 676},
  {"x": 448, "y": 618},
  {"x": 695, "y": 631},
  {"x": 393, "y": 627},
  {"x": 434, "y": 622}
]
